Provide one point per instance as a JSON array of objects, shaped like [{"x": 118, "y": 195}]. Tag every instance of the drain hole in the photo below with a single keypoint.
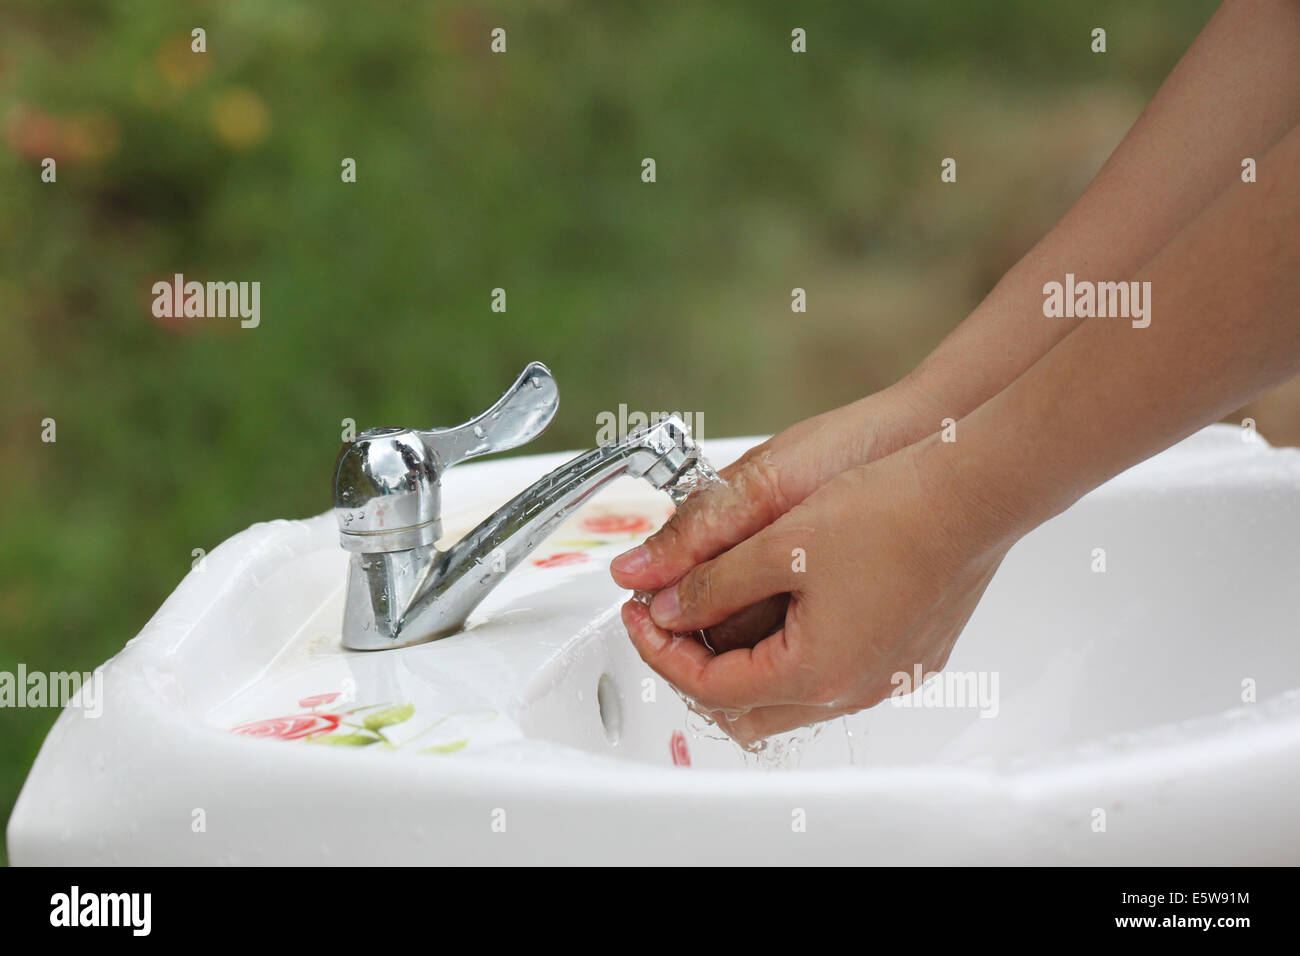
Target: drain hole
[{"x": 611, "y": 711}]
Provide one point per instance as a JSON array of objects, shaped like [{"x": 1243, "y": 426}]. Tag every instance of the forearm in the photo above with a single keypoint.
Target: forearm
[
  {"x": 1234, "y": 94},
  {"x": 1224, "y": 326}
]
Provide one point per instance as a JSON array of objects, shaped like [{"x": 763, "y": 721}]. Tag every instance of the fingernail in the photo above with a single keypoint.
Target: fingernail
[
  {"x": 630, "y": 562},
  {"x": 665, "y": 607},
  {"x": 650, "y": 635}
]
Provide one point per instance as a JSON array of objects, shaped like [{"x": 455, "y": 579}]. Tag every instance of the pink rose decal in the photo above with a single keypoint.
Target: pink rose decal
[
  {"x": 560, "y": 559},
  {"x": 318, "y": 700},
  {"x": 617, "y": 524},
  {"x": 677, "y": 746},
  {"x": 294, "y": 727}
]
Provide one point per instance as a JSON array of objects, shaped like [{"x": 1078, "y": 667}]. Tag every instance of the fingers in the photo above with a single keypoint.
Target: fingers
[
  {"x": 762, "y": 722},
  {"x": 737, "y": 680},
  {"x": 756, "y": 568},
  {"x": 746, "y": 628},
  {"x": 708, "y": 523}
]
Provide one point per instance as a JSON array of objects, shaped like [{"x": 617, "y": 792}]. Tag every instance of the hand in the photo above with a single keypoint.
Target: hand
[
  {"x": 771, "y": 478},
  {"x": 898, "y": 553}
]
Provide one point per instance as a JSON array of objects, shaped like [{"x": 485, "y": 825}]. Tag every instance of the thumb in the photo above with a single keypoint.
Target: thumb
[
  {"x": 710, "y": 593},
  {"x": 707, "y": 523}
]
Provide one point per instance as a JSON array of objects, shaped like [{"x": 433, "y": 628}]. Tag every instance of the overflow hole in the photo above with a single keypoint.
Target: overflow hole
[{"x": 611, "y": 711}]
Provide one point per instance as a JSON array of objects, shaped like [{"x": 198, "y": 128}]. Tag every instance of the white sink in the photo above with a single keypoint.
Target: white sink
[{"x": 539, "y": 736}]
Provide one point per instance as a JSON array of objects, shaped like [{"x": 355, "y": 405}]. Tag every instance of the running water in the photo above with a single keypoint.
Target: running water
[
  {"x": 781, "y": 751},
  {"x": 695, "y": 477},
  {"x": 855, "y": 740}
]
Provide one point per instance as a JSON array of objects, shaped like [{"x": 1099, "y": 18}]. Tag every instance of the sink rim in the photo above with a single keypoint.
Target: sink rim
[{"x": 1221, "y": 742}]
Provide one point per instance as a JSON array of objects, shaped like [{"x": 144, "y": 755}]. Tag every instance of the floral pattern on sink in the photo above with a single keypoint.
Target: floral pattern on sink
[
  {"x": 334, "y": 719},
  {"x": 357, "y": 727},
  {"x": 600, "y": 529}
]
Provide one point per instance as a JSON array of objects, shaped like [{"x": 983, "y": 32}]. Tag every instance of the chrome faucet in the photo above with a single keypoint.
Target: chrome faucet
[{"x": 401, "y": 589}]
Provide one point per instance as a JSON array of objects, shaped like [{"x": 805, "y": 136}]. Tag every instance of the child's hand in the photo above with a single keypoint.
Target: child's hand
[
  {"x": 773, "y": 477},
  {"x": 897, "y": 555}
]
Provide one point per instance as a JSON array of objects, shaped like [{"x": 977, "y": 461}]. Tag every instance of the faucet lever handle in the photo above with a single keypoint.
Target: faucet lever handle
[{"x": 518, "y": 416}]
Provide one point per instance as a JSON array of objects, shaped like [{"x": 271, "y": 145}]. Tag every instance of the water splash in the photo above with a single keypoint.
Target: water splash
[
  {"x": 695, "y": 477},
  {"x": 779, "y": 752},
  {"x": 783, "y": 751},
  {"x": 855, "y": 740}
]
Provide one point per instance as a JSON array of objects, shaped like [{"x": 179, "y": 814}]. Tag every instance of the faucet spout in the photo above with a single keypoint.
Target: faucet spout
[{"x": 403, "y": 597}]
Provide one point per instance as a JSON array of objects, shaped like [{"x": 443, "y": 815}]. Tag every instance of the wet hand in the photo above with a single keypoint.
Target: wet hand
[
  {"x": 878, "y": 571},
  {"x": 772, "y": 478}
]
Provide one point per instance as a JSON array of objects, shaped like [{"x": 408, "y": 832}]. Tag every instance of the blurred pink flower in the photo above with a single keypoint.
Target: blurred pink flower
[{"x": 294, "y": 727}]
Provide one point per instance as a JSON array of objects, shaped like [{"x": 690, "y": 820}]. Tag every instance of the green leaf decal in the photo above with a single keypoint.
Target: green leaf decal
[
  {"x": 449, "y": 748},
  {"x": 389, "y": 716},
  {"x": 346, "y": 740}
]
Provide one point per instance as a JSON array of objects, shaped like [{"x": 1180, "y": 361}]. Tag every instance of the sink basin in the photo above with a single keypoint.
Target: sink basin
[{"x": 1147, "y": 710}]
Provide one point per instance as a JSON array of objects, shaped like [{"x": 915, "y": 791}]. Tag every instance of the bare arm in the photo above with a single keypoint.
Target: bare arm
[
  {"x": 1225, "y": 326},
  {"x": 1234, "y": 94},
  {"x": 899, "y": 551}
]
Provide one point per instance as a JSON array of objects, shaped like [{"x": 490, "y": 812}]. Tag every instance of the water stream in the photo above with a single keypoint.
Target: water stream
[{"x": 780, "y": 751}]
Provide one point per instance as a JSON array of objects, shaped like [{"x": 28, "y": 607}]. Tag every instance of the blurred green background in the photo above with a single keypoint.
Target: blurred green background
[{"x": 478, "y": 171}]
